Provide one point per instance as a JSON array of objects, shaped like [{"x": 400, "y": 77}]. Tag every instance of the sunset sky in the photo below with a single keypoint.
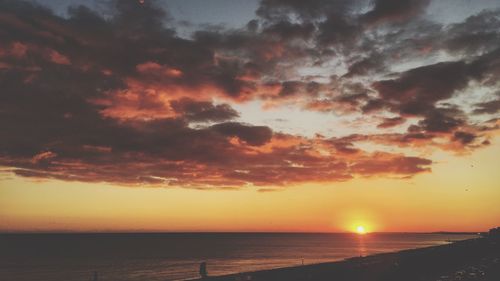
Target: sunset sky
[{"x": 240, "y": 115}]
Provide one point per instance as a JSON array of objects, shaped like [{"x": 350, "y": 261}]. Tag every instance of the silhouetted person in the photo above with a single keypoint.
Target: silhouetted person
[
  {"x": 95, "y": 276},
  {"x": 203, "y": 270}
]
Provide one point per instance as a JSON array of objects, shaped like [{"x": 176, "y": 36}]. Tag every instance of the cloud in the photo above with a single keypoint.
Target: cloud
[
  {"x": 203, "y": 111},
  {"x": 124, "y": 99},
  {"x": 252, "y": 135},
  {"x": 478, "y": 34},
  {"x": 43, "y": 156},
  {"x": 391, "y": 122},
  {"x": 394, "y": 10},
  {"x": 366, "y": 66},
  {"x": 392, "y": 164},
  {"x": 488, "y": 107},
  {"x": 464, "y": 137},
  {"x": 440, "y": 121},
  {"x": 417, "y": 90},
  {"x": 272, "y": 9},
  {"x": 287, "y": 30},
  {"x": 339, "y": 29}
]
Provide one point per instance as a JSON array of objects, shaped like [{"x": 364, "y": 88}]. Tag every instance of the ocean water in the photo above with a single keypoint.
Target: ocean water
[{"x": 176, "y": 256}]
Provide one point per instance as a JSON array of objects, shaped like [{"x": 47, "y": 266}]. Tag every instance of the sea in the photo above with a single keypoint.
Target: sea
[{"x": 177, "y": 256}]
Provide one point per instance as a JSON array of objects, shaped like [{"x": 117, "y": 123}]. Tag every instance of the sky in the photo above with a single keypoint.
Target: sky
[{"x": 272, "y": 115}]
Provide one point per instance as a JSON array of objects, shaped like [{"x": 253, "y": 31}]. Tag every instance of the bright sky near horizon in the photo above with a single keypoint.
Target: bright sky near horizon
[{"x": 264, "y": 115}]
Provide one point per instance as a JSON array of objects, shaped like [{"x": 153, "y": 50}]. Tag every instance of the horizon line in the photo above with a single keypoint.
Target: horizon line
[{"x": 233, "y": 232}]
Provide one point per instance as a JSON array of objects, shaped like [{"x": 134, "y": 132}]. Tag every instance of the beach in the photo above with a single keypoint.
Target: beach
[{"x": 473, "y": 259}]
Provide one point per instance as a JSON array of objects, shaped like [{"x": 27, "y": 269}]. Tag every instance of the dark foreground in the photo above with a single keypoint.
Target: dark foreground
[{"x": 474, "y": 259}]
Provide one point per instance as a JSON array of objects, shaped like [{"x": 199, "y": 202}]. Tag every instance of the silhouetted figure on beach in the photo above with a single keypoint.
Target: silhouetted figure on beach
[
  {"x": 203, "y": 270},
  {"x": 95, "y": 276}
]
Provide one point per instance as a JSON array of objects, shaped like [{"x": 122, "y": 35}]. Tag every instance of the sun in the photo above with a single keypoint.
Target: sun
[{"x": 360, "y": 229}]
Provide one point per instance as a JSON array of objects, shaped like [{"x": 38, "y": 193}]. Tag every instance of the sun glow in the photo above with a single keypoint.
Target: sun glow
[{"x": 360, "y": 229}]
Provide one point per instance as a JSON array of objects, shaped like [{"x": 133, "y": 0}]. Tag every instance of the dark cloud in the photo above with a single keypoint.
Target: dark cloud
[
  {"x": 94, "y": 99},
  {"x": 292, "y": 88},
  {"x": 138, "y": 21},
  {"x": 203, "y": 111},
  {"x": 489, "y": 107},
  {"x": 339, "y": 29},
  {"x": 344, "y": 98},
  {"x": 391, "y": 122},
  {"x": 486, "y": 68},
  {"x": 382, "y": 163},
  {"x": 365, "y": 66},
  {"x": 478, "y": 34},
  {"x": 417, "y": 90},
  {"x": 287, "y": 30},
  {"x": 345, "y": 147},
  {"x": 289, "y": 88},
  {"x": 373, "y": 105},
  {"x": 464, "y": 137},
  {"x": 253, "y": 135},
  {"x": 394, "y": 10},
  {"x": 441, "y": 120}
]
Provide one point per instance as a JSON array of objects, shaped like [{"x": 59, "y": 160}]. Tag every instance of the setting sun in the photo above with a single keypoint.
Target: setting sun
[{"x": 360, "y": 229}]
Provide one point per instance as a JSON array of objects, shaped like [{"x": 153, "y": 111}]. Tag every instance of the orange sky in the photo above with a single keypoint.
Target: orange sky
[
  {"x": 428, "y": 202},
  {"x": 276, "y": 116}
]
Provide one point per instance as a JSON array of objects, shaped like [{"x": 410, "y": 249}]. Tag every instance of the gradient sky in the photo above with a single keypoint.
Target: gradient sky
[{"x": 269, "y": 115}]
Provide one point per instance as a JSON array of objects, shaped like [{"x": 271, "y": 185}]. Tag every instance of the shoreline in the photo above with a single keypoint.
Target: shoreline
[{"x": 471, "y": 259}]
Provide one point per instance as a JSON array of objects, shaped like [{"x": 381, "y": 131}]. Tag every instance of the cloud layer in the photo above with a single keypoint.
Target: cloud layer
[{"x": 124, "y": 99}]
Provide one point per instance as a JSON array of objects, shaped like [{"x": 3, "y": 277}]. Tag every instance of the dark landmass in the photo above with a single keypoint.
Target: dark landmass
[
  {"x": 473, "y": 259},
  {"x": 456, "y": 233}
]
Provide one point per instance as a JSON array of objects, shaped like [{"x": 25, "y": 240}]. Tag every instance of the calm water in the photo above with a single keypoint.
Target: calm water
[{"x": 74, "y": 257}]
